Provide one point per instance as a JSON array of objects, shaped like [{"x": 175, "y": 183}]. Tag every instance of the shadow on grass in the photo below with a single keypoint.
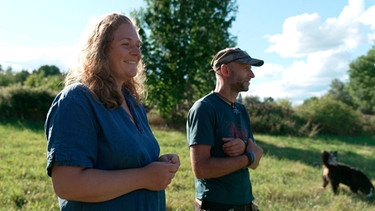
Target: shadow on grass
[
  {"x": 313, "y": 158},
  {"x": 37, "y": 126},
  {"x": 308, "y": 157},
  {"x": 359, "y": 196},
  {"x": 362, "y": 140}
]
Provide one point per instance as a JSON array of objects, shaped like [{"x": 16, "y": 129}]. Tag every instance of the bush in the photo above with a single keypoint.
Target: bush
[
  {"x": 333, "y": 117},
  {"x": 369, "y": 124},
  {"x": 25, "y": 103},
  {"x": 271, "y": 118}
]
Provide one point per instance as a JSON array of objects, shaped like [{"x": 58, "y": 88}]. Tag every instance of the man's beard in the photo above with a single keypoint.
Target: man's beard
[{"x": 240, "y": 86}]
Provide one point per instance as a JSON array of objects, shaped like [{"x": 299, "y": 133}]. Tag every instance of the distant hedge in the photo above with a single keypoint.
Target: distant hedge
[
  {"x": 316, "y": 116},
  {"x": 25, "y": 103},
  {"x": 269, "y": 118},
  {"x": 321, "y": 115},
  {"x": 332, "y": 116}
]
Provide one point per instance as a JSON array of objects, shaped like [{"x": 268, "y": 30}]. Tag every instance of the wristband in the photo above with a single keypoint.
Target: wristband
[{"x": 250, "y": 157}]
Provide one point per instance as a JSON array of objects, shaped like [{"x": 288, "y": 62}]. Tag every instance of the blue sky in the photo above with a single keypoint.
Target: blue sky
[{"x": 305, "y": 43}]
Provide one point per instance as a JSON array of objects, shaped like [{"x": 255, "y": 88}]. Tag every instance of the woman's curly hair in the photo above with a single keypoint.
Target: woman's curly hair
[{"x": 94, "y": 71}]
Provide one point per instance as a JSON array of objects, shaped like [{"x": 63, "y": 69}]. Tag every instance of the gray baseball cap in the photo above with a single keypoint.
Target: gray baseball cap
[{"x": 228, "y": 55}]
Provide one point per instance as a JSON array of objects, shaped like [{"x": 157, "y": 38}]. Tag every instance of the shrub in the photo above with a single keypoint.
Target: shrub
[
  {"x": 369, "y": 124},
  {"x": 25, "y": 103},
  {"x": 333, "y": 117},
  {"x": 271, "y": 118}
]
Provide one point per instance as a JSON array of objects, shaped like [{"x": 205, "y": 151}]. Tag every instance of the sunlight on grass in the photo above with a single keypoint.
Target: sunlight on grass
[{"x": 288, "y": 178}]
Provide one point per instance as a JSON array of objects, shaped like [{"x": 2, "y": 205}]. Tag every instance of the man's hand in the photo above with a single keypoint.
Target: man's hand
[{"x": 233, "y": 146}]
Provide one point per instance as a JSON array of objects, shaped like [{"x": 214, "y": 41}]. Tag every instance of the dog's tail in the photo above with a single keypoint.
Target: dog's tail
[{"x": 325, "y": 158}]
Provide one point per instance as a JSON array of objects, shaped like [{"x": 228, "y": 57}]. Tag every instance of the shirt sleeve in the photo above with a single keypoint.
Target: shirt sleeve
[
  {"x": 200, "y": 124},
  {"x": 71, "y": 130}
]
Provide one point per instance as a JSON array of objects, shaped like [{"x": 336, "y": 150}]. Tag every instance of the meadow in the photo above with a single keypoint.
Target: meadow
[{"x": 288, "y": 178}]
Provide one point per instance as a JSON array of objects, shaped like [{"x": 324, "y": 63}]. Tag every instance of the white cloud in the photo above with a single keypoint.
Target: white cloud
[
  {"x": 306, "y": 33},
  {"x": 368, "y": 19},
  {"x": 268, "y": 71},
  {"x": 30, "y": 58},
  {"x": 323, "y": 49},
  {"x": 302, "y": 79}
]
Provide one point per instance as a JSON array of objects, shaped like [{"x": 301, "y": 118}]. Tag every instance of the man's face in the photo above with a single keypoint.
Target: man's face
[{"x": 240, "y": 76}]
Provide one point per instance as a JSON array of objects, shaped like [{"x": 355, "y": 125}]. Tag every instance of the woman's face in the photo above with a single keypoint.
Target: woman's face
[{"x": 124, "y": 53}]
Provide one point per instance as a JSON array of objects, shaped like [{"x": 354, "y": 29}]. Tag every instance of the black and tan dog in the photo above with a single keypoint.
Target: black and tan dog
[{"x": 336, "y": 173}]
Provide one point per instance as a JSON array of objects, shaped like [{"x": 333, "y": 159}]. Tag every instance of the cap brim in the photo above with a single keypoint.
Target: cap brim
[{"x": 251, "y": 61}]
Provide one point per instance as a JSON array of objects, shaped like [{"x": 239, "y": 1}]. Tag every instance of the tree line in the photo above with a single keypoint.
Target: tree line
[
  {"x": 179, "y": 40},
  {"x": 346, "y": 109}
]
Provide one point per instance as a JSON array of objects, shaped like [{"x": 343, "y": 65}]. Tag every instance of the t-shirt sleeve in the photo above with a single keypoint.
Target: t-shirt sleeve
[
  {"x": 71, "y": 131},
  {"x": 200, "y": 124}
]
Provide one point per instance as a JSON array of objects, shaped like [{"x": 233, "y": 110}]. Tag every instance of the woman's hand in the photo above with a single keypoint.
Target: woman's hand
[
  {"x": 162, "y": 172},
  {"x": 172, "y": 158}
]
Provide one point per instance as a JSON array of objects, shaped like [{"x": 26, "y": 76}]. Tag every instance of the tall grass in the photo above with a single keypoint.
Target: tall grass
[
  {"x": 23, "y": 181},
  {"x": 288, "y": 178}
]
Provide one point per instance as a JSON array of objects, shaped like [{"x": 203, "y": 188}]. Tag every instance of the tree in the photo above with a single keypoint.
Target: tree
[
  {"x": 46, "y": 76},
  {"x": 361, "y": 85},
  {"x": 338, "y": 92},
  {"x": 180, "y": 38},
  {"x": 48, "y": 70},
  {"x": 20, "y": 77},
  {"x": 6, "y": 76}
]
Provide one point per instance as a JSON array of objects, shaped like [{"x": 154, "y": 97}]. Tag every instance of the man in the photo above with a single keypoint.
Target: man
[{"x": 220, "y": 139}]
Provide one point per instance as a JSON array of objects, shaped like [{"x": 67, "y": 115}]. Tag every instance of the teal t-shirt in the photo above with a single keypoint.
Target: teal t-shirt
[
  {"x": 81, "y": 132},
  {"x": 209, "y": 120}
]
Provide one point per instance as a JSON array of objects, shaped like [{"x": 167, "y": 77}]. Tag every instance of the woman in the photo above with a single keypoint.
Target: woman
[{"x": 102, "y": 154}]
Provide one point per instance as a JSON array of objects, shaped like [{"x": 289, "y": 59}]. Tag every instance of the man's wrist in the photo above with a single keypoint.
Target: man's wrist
[{"x": 250, "y": 158}]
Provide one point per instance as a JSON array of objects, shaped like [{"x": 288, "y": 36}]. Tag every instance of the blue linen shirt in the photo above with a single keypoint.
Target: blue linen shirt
[{"x": 82, "y": 132}]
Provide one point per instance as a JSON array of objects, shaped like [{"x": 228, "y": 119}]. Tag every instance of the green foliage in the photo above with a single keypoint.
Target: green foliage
[
  {"x": 47, "y": 76},
  {"x": 369, "y": 124},
  {"x": 54, "y": 82},
  {"x": 20, "y": 77},
  {"x": 338, "y": 92},
  {"x": 361, "y": 85},
  {"x": 324, "y": 115},
  {"x": 271, "y": 118},
  {"x": 20, "y": 102},
  {"x": 48, "y": 70},
  {"x": 277, "y": 118},
  {"x": 179, "y": 40},
  {"x": 332, "y": 116},
  {"x": 288, "y": 177},
  {"x": 6, "y": 76}
]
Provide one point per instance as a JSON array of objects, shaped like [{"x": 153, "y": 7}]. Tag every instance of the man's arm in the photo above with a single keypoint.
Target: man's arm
[
  {"x": 236, "y": 147},
  {"x": 258, "y": 152},
  {"x": 204, "y": 166}
]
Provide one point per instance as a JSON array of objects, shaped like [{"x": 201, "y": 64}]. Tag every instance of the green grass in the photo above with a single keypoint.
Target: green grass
[
  {"x": 24, "y": 184},
  {"x": 288, "y": 178}
]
